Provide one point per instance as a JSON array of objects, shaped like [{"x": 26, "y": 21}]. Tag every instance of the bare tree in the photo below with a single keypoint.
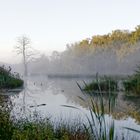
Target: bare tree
[{"x": 24, "y": 48}]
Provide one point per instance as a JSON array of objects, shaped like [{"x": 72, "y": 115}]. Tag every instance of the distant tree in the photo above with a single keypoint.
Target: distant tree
[
  {"x": 24, "y": 48},
  {"x": 55, "y": 55},
  {"x": 137, "y": 34}
]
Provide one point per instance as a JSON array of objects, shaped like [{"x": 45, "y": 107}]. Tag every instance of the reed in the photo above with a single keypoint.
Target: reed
[{"x": 132, "y": 84}]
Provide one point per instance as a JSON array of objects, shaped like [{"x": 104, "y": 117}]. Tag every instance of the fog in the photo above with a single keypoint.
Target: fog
[{"x": 71, "y": 62}]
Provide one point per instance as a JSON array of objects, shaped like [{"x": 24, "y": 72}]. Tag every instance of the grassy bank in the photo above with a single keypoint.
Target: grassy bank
[
  {"x": 103, "y": 84},
  {"x": 132, "y": 84},
  {"x": 39, "y": 129},
  {"x": 8, "y": 79}
]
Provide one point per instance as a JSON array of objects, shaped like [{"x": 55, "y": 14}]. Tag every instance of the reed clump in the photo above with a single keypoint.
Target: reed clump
[
  {"x": 106, "y": 83},
  {"x": 132, "y": 84}
]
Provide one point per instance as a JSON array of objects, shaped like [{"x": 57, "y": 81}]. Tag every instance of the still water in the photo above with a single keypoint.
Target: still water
[{"x": 46, "y": 96}]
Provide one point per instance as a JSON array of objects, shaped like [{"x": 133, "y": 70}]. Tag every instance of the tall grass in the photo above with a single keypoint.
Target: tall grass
[
  {"x": 98, "y": 127},
  {"x": 106, "y": 83},
  {"x": 132, "y": 84},
  {"x": 39, "y": 129}
]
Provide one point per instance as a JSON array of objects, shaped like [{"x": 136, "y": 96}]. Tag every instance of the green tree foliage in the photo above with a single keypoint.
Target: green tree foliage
[
  {"x": 119, "y": 40},
  {"x": 135, "y": 36}
]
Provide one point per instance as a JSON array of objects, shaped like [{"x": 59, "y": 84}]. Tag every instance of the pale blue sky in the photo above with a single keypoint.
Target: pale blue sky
[{"x": 51, "y": 24}]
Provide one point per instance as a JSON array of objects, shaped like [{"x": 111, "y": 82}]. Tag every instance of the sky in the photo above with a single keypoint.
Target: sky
[{"x": 51, "y": 24}]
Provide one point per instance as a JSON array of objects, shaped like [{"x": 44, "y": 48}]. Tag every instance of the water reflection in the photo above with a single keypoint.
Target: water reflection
[{"x": 47, "y": 96}]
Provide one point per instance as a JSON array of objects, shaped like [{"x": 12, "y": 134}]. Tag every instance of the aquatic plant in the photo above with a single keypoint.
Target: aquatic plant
[
  {"x": 98, "y": 127},
  {"x": 39, "y": 129},
  {"x": 105, "y": 84},
  {"x": 132, "y": 84}
]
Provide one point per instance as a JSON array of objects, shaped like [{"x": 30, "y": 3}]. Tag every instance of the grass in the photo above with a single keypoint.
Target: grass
[
  {"x": 132, "y": 84},
  {"x": 106, "y": 84},
  {"x": 98, "y": 127},
  {"x": 43, "y": 129},
  {"x": 39, "y": 129},
  {"x": 9, "y": 80}
]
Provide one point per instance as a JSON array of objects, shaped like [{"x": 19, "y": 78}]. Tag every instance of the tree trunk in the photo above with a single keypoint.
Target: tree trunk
[{"x": 24, "y": 61}]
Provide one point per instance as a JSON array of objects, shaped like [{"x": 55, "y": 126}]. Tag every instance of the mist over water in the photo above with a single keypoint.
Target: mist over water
[{"x": 102, "y": 61}]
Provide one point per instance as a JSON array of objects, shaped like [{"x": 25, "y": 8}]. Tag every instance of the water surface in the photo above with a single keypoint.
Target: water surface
[{"x": 48, "y": 95}]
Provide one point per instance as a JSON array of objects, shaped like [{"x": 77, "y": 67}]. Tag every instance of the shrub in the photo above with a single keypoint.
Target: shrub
[
  {"x": 105, "y": 84},
  {"x": 9, "y": 80},
  {"x": 132, "y": 84}
]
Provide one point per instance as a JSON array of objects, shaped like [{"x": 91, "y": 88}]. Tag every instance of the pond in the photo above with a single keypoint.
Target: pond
[{"x": 47, "y": 97}]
